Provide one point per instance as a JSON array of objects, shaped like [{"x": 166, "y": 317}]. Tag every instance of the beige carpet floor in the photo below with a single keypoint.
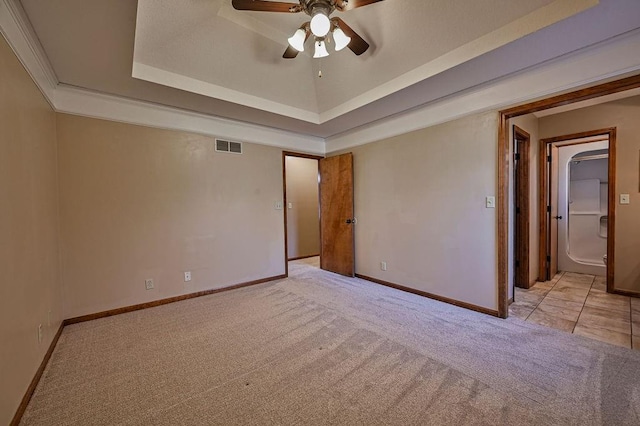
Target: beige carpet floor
[{"x": 318, "y": 348}]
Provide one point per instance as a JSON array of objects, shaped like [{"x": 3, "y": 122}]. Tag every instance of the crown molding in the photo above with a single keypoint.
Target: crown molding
[
  {"x": 610, "y": 59},
  {"x": 17, "y": 30},
  {"x": 72, "y": 100}
]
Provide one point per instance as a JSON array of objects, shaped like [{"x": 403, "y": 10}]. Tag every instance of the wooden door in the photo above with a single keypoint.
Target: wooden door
[
  {"x": 336, "y": 215},
  {"x": 521, "y": 207},
  {"x": 553, "y": 215}
]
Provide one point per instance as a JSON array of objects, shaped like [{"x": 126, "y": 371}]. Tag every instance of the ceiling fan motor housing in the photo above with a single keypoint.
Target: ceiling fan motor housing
[{"x": 325, "y": 7}]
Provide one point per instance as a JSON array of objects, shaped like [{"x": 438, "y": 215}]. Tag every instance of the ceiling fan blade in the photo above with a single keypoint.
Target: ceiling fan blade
[
  {"x": 344, "y": 5},
  {"x": 357, "y": 44},
  {"x": 266, "y": 6},
  {"x": 291, "y": 53}
]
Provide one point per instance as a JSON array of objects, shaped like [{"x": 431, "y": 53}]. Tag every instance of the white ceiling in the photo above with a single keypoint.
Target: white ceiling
[
  {"x": 204, "y": 56},
  {"x": 207, "y": 47}
]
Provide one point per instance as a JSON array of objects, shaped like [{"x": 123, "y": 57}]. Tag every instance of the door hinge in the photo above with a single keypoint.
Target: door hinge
[
  {"x": 516, "y": 156},
  {"x": 548, "y": 258},
  {"x": 548, "y": 158},
  {"x": 517, "y": 210},
  {"x": 548, "y": 209},
  {"x": 517, "y": 263}
]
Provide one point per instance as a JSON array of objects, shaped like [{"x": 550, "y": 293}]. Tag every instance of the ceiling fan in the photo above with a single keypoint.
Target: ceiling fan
[{"x": 321, "y": 24}]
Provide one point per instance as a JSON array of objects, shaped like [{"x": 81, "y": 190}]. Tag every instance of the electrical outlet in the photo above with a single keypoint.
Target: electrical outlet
[
  {"x": 39, "y": 333},
  {"x": 148, "y": 284},
  {"x": 383, "y": 266},
  {"x": 187, "y": 276},
  {"x": 278, "y": 205},
  {"x": 624, "y": 198}
]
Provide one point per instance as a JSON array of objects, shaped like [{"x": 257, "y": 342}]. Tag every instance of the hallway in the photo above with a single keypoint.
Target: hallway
[{"x": 579, "y": 304}]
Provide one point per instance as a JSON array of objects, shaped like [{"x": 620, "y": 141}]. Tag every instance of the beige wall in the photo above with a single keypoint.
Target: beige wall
[
  {"x": 137, "y": 203},
  {"x": 420, "y": 204},
  {"x": 624, "y": 115},
  {"x": 303, "y": 223},
  {"x": 30, "y": 290},
  {"x": 528, "y": 123}
]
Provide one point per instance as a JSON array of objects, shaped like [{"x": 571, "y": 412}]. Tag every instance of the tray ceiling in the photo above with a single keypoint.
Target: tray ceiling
[
  {"x": 209, "y": 48},
  {"x": 206, "y": 57}
]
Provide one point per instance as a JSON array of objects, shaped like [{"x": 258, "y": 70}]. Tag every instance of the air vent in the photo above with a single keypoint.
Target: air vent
[
  {"x": 228, "y": 146},
  {"x": 235, "y": 147}
]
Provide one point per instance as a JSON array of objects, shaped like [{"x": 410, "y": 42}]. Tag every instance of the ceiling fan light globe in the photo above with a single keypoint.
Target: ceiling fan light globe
[
  {"x": 297, "y": 40},
  {"x": 341, "y": 39},
  {"x": 321, "y": 50},
  {"x": 320, "y": 24}
]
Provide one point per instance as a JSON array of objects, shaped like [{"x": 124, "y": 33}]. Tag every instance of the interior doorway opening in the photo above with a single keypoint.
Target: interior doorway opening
[
  {"x": 330, "y": 211},
  {"x": 577, "y": 215},
  {"x": 301, "y": 205}
]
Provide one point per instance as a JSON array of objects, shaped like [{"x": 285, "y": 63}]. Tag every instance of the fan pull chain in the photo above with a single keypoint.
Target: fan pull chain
[{"x": 320, "y": 68}]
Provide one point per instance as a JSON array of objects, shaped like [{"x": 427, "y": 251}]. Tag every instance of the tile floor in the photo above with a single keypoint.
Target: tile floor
[{"x": 579, "y": 304}]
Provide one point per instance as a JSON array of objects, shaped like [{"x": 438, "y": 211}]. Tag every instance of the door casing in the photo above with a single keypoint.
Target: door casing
[
  {"x": 552, "y": 245},
  {"x": 522, "y": 146}
]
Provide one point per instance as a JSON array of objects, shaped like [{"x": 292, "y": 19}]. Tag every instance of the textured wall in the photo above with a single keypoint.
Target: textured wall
[
  {"x": 420, "y": 204},
  {"x": 137, "y": 203},
  {"x": 303, "y": 223},
  {"x": 30, "y": 289},
  {"x": 622, "y": 114}
]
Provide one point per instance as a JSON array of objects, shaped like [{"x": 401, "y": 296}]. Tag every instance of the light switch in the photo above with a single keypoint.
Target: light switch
[
  {"x": 290, "y": 205},
  {"x": 491, "y": 202},
  {"x": 624, "y": 198}
]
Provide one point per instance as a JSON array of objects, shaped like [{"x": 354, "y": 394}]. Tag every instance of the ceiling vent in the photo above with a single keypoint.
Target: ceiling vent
[{"x": 228, "y": 146}]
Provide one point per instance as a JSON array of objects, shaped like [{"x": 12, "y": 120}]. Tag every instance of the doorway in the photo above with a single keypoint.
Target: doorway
[
  {"x": 301, "y": 205},
  {"x": 329, "y": 210},
  {"x": 577, "y": 210}
]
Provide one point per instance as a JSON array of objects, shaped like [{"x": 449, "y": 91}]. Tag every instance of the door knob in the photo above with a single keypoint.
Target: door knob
[
  {"x": 557, "y": 217},
  {"x": 348, "y": 220}
]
